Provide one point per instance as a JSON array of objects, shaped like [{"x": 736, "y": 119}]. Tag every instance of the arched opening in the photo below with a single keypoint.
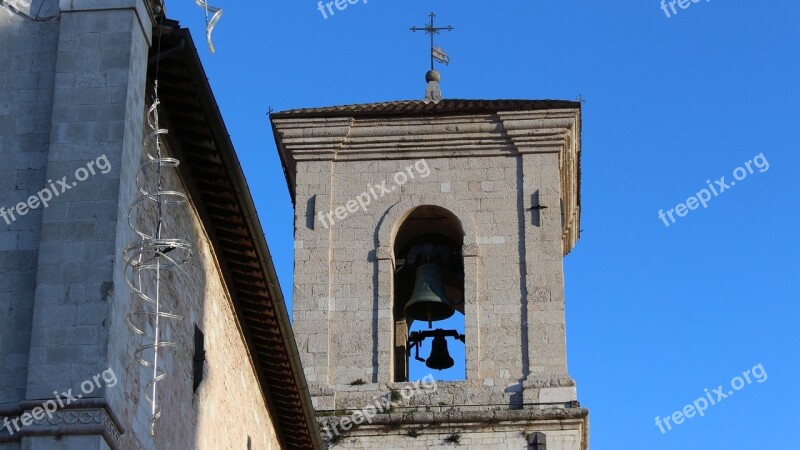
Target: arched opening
[{"x": 428, "y": 303}]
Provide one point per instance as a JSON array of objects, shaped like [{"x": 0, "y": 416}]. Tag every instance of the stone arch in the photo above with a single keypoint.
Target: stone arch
[
  {"x": 386, "y": 234},
  {"x": 396, "y": 215}
]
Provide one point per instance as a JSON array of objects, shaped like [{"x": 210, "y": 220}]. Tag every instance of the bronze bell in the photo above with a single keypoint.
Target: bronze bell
[
  {"x": 428, "y": 302},
  {"x": 440, "y": 357}
]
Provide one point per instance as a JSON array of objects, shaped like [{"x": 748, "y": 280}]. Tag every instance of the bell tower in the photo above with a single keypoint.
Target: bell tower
[{"x": 413, "y": 214}]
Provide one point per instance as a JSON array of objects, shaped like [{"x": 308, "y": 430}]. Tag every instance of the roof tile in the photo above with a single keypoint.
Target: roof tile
[{"x": 406, "y": 107}]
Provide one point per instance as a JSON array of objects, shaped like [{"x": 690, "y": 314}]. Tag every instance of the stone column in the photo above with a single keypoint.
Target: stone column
[
  {"x": 472, "y": 319},
  {"x": 386, "y": 328}
]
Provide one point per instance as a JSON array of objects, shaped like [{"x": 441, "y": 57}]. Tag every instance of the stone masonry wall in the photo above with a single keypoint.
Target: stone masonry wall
[
  {"x": 470, "y": 437},
  {"x": 99, "y": 83},
  {"x": 492, "y": 172},
  {"x": 228, "y": 407},
  {"x": 335, "y": 270},
  {"x": 72, "y": 88},
  {"x": 28, "y": 55},
  {"x": 229, "y": 397}
]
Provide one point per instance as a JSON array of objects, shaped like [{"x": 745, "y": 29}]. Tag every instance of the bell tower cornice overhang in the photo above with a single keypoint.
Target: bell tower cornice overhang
[{"x": 415, "y": 130}]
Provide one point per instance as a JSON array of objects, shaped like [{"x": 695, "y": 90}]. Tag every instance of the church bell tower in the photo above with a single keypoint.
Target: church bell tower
[
  {"x": 429, "y": 284},
  {"x": 408, "y": 213}
]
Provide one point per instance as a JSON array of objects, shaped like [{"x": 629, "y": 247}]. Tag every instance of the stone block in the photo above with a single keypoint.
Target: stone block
[
  {"x": 115, "y": 58},
  {"x": 8, "y": 240},
  {"x": 557, "y": 395}
]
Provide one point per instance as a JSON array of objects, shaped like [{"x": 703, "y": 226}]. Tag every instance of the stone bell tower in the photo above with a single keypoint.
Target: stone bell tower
[{"x": 468, "y": 205}]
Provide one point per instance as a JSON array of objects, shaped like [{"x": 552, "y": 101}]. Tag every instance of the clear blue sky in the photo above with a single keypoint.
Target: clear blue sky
[{"x": 655, "y": 314}]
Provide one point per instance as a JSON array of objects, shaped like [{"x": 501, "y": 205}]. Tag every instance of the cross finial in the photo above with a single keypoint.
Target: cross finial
[{"x": 432, "y": 31}]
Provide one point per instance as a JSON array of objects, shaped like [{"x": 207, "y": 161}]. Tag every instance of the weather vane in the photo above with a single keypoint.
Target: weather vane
[
  {"x": 436, "y": 52},
  {"x": 433, "y": 93}
]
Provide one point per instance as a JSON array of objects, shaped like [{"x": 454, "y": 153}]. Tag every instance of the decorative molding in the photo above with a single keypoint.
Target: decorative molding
[
  {"x": 75, "y": 420},
  {"x": 546, "y": 131},
  {"x": 505, "y": 133},
  {"x": 500, "y": 418},
  {"x": 312, "y": 139},
  {"x": 401, "y": 137}
]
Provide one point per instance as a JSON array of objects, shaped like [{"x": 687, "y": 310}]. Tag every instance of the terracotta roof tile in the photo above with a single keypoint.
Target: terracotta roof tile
[{"x": 447, "y": 106}]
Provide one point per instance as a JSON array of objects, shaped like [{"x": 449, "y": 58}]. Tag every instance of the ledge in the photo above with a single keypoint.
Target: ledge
[{"x": 82, "y": 417}]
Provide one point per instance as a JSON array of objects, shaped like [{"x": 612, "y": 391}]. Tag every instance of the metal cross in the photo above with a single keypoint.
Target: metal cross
[{"x": 432, "y": 30}]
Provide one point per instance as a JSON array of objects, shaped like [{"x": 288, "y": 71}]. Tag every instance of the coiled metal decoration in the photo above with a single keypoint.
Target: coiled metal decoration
[
  {"x": 213, "y": 14},
  {"x": 154, "y": 254}
]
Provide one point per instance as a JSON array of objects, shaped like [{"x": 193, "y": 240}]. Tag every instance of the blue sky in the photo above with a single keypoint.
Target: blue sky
[{"x": 655, "y": 314}]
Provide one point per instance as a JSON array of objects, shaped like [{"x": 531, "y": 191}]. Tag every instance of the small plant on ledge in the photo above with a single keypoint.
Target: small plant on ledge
[
  {"x": 413, "y": 433},
  {"x": 454, "y": 439},
  {"x": 358, "y": 382}
]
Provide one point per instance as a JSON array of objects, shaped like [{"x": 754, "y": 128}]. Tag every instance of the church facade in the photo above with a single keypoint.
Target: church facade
[
  {"x": 77, "y": 80},
  {"x": 411, "y": 213}
]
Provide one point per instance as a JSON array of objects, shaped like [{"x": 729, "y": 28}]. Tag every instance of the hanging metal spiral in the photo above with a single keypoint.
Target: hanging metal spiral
[
  {"x": 213, "y": 14},
  {"x": 156, "y": 253}
]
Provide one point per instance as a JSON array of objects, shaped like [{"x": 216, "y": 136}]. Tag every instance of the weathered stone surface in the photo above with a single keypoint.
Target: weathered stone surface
[
  {"x": 72, "y": 88},
  {"x": 489, "y": 170}
]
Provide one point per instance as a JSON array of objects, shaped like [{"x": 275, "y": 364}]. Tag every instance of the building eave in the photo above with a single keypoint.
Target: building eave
[{"x": 219, "y": 191}]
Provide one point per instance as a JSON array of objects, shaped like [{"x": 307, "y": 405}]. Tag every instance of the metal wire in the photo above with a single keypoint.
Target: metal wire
[
  {"x": 213, "y": 14},
  {"x": 155, "y": 253}
]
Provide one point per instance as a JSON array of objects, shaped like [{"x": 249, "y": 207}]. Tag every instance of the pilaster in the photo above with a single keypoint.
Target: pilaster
[{"x": 95, "y": 138}]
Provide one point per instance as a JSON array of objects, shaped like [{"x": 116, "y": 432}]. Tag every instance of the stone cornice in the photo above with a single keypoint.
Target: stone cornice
[
  {"x": 412, "y": 137},
  {"x": 541, "y": 131},
  {"x": 454, "y": 415},
  {"x": 502, "y": 133},
  {"x": 313, "y": 139},
  {"x": 84, "y": 417},
  {"x": 348, "y": 138}
]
